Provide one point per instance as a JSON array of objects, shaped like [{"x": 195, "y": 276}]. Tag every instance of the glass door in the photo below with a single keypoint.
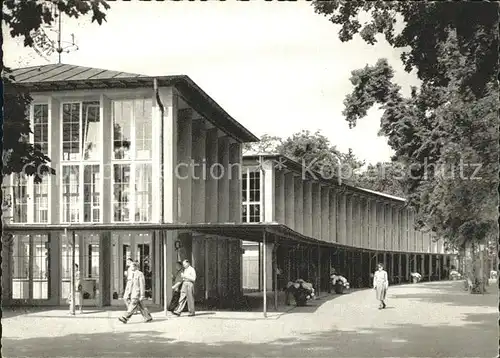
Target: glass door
[
  {"x": 137, "y": 246},
  {"x": 31, "y": 267}
]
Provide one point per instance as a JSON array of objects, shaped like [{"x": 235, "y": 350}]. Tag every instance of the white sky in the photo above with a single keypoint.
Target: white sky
[{"x": 276, "y": 67}]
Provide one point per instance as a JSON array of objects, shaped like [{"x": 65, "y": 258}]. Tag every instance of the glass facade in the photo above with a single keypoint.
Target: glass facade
[{"x": 132, "y": 160}]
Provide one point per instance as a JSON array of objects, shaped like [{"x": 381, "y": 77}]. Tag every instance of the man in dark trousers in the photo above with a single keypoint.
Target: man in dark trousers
[
  {"x": 134, "y": 294},
  {"x": 187, "y": 290}
]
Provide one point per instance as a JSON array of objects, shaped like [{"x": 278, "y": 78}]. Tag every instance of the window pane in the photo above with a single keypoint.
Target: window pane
[
  {"x": 91, "y": 193},
  {"x": 41, "y": 268},
  {"x": 21, "y": 264},
  {"x": 244, "y": 216},
  {"x": 41, "y": 201},
  {"x": 122, "y": 117},
  {"x": 90, "y": 270},
  {"x": 71, "y": 194},
  {"x": 244, "y": 188},
  {"x": 19, "y": 198},
  {"x": 41, "y": 127},
  {"x": 121, "y": 192},
  {"x": 143, "y": 128},
  {"x": 92, "y": 148},
  {"x": 254, "y": 213},
  {"x": 71, "y": 131},
  {"x": 143, "y": 192}
]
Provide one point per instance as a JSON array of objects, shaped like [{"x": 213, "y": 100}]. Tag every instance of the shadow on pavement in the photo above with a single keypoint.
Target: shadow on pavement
[{"x": 477, "y": 338}]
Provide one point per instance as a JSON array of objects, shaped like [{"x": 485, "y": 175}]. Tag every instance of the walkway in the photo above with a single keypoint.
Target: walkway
[{"x": 423, "y": 320}]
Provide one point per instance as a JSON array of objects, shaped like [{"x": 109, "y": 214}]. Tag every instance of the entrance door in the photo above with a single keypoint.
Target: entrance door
[{"x": 137, "y": 246}]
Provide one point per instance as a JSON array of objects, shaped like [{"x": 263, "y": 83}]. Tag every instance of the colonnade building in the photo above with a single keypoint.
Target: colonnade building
[{"x": 151, "y": 168}]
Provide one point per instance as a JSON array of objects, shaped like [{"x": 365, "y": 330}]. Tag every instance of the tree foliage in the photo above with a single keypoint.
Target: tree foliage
[
  {"x": 23, "y": 19},
  {"x": 314, "y": 151},
  {"x": 447, "y": 128}
]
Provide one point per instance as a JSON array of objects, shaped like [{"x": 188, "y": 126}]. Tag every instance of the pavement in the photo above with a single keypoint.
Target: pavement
[{"x": 436, "y": 319}]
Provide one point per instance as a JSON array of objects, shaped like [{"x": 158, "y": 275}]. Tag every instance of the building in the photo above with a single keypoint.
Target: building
[
  {"x": 151, "y": 168},
  {"x": 352, "y": 228}
]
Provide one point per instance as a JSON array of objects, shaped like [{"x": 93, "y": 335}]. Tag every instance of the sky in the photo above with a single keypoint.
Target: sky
[{"x": 276, "y": 67}]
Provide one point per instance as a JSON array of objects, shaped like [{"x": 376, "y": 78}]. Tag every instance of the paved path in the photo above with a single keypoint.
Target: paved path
[{"x": 423, "y": 320}]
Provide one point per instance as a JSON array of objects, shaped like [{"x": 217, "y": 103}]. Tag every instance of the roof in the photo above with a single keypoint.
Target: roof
[
  {"x": 60, "y": 77},
  {"x": 292, "y": 165}
]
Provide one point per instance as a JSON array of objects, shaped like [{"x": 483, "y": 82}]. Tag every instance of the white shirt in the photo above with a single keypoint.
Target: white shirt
[{"x": 189, "y": 274}]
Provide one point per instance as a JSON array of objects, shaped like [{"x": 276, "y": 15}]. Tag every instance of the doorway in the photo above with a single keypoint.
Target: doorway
[{"x": 138, "y": 247}]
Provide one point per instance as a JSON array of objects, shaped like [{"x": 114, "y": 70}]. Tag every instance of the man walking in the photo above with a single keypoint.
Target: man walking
[
  {"x": 134, "y": 294},
  {"x": 128, "y": 276},
  {"x": 187, "y": 290}
]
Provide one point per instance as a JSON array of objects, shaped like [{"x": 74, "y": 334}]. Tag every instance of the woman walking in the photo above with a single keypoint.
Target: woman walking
[
  {"x": 78, "y": 293},
  {"x": 381, "y": 284}
]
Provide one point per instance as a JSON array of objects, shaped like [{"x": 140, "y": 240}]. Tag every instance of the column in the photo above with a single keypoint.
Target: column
[
  {"x": 289, "y": 189},
  {"x": 368, "y": 223},
  {"x": 223, "y": 182},
  {"x": 307, "y": 208},
  {"x": 316, "y": 210},
  {"x": 269, "y": 188},
  {"x": 211, "y": 183},
  {"x": 169, "y": 138},
  {"x": 373, "y": 224},
  {"x": 361, "y": 223},
  {"x": 7, "y": 269},
  {"x": 332, "y": 202},
  {"x": 55, "y": 156},
  {"x": 349, "y": 226},
  {"x": 390, "y": 228},
  {"x": 341, "y": 217},
  {"x": 198, "y": 171},
  {"x": 235, "y": 183},
  {"x": 281, "y": 196},
  {"x": 325, "y": 213},
  {"x": 184, "y": 179},
  {"x": 299, "y": 204},
  {"x": 104, "y": 298},
  {"x": 354, "y": 220},
  {"x": 397, "y": 230}
]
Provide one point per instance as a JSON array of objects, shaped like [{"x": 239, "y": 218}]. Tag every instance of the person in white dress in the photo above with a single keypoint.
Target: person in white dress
[
  {"x": 380, "y": 284},
  {"x": 78, "y": 292}
]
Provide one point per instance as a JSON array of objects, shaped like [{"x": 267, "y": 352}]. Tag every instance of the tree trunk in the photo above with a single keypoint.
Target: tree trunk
[{"x": 474, "y": 273}]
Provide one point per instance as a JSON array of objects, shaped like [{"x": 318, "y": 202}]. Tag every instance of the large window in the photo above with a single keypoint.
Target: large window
[
  {"x": 251, "y": 195},
  {"x": 81, "y": 130},
  {"x": 82, "y": 147},
  {"x": 19, "y": 198},
  {"x": 41, "y": 201},
  {"x": 132, "y": 166},
  {"x": 41, "y": 127},
  {"x": 121, "y": 192}
]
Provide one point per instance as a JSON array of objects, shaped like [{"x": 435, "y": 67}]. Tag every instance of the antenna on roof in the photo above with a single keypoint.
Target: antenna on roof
[{"x": 45, "y": 46}]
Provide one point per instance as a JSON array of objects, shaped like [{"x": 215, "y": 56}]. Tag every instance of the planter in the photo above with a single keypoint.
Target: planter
[{"x": 339, "y": 288}]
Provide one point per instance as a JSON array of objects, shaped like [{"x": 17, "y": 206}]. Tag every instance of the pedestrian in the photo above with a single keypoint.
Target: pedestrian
[
  {"x": 187, "y": 290},
  {"x": 176, "y": 288},
  {"x": 77, "y": 287},
  {"x": 381, "y": 284},
  {"x": 128, "y": 277},
  {"x": 134, "y": 294}
]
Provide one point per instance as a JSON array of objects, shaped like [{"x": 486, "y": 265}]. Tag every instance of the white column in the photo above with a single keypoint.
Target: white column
[
  {"x": 373, "y": 224},
  {"x": 307, "y": 208},
  {"x": 366, "y": 213},
  {"x": 332, "y": 203},
  {"x": 281, "y": 196},
  {"x": 396, "y": 229},
  {"x": 197, "y": 171},
  {"x": 223, "y": 189},
  {"x": 390, "y": 224},
  {"x": 342, "y": 218},
  {"x": 170, "y": 154},
  {"x": 211, "y": 182},
  {"x": 349, "y": 235},
  {"x": 156, "y": 159},
  {"x": 290, "y": 200},
  {"x": 325, "y": 213},
  {"x": 235, "y": 183},
  {"x": 269, "y": 193},
  {"x": 316, "y": 210},
  {"x": 183, "y": 172},
  {"x": 55, "y": 204},
  {"x": 299, "y": 204}
]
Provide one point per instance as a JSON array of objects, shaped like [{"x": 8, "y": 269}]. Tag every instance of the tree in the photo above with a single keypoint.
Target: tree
[
  {"x": 385, "y": 177},
  {"x": 25, "y": 19},
  {"x": 448, "y": 127},
  {"x": 314, "y": 151}
]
